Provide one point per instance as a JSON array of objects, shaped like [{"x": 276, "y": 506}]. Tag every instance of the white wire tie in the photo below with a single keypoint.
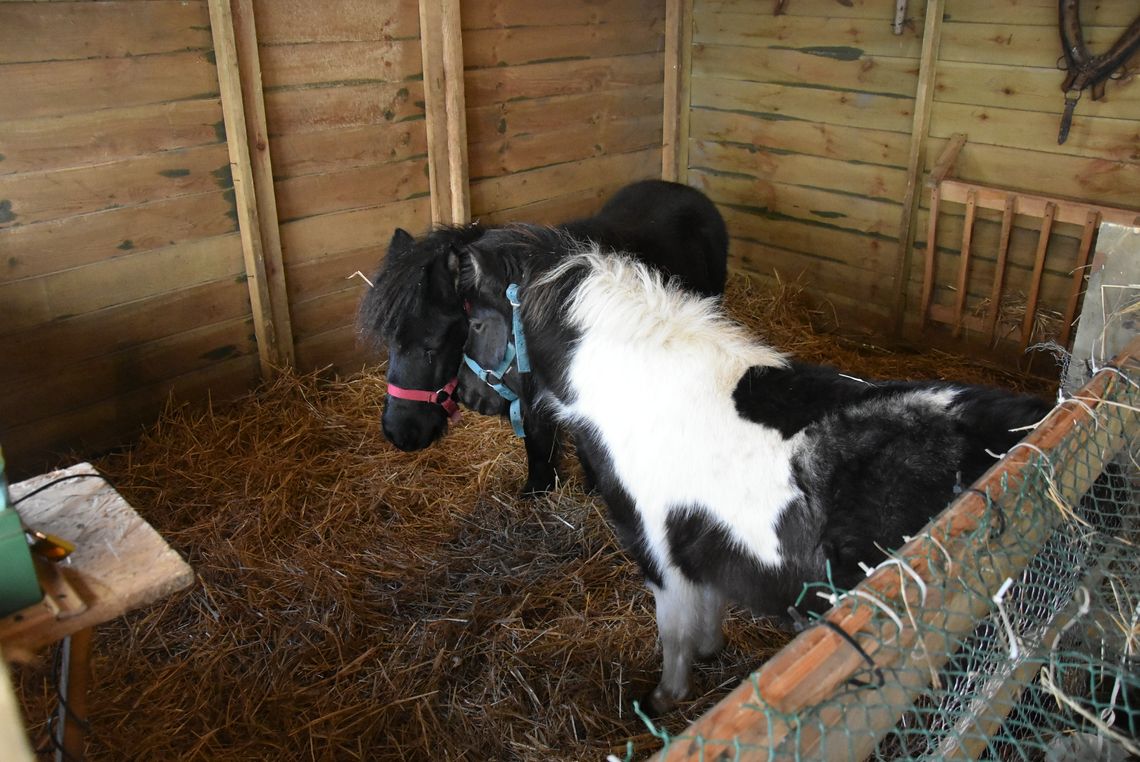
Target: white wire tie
[
  {"x": 999, "y": 599},
  {"x": 949, "y": 559},
  {"x": 1039, "y": 451},
  {"x": 831, "y": 598},
  {"x": 909, "y": 570},
  {"x": 1082, "y": 610},
  {"x": 877, "y": 602}
]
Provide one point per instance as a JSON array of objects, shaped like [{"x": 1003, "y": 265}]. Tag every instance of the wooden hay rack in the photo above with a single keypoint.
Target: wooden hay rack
[{"x": 1049, "y": 210}]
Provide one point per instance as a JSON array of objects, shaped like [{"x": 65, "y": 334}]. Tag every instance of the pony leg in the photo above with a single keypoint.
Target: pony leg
[
  {"x": 589, "y": 474},
  {"x": 711, "y": 639},
  {"x": 542, "y": 452},
  {"x": 679, "y": 610}
]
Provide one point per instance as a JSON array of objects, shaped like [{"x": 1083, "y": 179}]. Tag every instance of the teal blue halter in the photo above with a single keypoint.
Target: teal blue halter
[{"x": 515, "y": 352}]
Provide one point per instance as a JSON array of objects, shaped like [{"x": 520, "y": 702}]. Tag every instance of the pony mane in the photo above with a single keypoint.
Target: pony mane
[
  {"x": 513, "y": 250},
  {"x": 632, "y": 302},
  {"x": 400, "y": 287}
]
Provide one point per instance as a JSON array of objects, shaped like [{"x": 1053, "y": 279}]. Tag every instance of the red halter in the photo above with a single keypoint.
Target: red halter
[{"x": 444, "y": 397}]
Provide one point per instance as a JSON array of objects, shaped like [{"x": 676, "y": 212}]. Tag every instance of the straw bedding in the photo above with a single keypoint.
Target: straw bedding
[{"x": 356, "y": 602}]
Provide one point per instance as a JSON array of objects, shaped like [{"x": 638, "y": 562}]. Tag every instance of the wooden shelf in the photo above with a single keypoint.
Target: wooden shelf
[{"x": 120, "y": 562}]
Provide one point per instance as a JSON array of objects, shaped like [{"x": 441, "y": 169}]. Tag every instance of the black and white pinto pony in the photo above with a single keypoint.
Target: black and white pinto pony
[
  {"x": 414, "y": 309},
  {"x": 731, "y": 474}
]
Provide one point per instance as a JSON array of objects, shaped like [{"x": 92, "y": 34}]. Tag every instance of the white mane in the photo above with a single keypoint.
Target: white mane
[{"x": 628, "y": 302}]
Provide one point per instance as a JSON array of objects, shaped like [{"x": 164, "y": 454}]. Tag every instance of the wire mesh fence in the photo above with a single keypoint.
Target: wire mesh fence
[{"x": 1008, "y": 630}]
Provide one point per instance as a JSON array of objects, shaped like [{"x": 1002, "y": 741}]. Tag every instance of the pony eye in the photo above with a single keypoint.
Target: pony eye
[{"x": 477, "y": 326}]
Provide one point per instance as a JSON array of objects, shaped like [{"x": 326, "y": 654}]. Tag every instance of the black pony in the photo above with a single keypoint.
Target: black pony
[
  {"x": 414, "y": 309},
  {"x": 730, "y": 472}
]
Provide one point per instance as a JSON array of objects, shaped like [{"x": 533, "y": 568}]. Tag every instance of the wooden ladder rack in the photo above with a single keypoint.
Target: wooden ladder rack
[{"x": 1010, "y": 203}]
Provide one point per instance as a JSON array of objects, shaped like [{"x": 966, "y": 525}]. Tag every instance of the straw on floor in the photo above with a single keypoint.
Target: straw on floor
[{"x": 356, "y": 602}]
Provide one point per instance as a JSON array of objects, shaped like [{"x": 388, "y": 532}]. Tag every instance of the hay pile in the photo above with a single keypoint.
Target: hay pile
[{"x": 356, "y": 602}]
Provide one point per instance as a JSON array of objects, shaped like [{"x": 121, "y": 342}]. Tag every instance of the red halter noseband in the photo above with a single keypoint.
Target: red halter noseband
[{"x": 444, "y": 397}]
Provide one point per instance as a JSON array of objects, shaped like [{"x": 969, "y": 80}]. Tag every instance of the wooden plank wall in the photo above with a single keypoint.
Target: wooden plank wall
[
  {"x": 800, "y": 129},
  {"x": 122, "y": 276},
  {"x": 345, "y": 113},
  {"x": 564, "y": 104},
  {"x": 997, "y": 81}
]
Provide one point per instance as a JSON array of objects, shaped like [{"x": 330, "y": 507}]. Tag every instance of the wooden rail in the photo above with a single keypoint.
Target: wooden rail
[
  {"x": 818, "y": 664},
  {"x": 920, "y": 127},
  {"x": 678, "y": 70}
]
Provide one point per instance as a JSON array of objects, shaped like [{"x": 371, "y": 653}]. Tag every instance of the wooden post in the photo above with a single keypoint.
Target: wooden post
[
  {"x": 441, "y": 40},
  {"x": 253, "y": 101},
  {"x": 678, "y": 71},
  {"x": 273, "y": 350},
  {"x": 923, "y": 98}
]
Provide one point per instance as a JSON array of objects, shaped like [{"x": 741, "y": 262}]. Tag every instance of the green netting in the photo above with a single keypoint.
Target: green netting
[{"x": 1011, "y": 632}]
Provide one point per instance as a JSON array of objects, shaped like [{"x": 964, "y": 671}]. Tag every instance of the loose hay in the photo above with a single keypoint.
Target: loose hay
[{"x": 356, "y": 602}]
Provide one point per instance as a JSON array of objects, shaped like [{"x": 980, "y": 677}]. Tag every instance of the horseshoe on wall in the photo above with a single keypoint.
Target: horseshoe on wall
[{"x": 1086, "y": 70}]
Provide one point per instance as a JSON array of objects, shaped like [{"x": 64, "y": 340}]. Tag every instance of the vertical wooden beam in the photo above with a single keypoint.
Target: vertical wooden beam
[
  {"x": 272, "y": 351},
  {"x": 923, "y": 98},
  {"x": 678, "y": 70},
  {"x": 999, "y": 269},
  {"x": 257, "y": 134},
  {"x": 1080, "y": 267},
  {"x": 1038, "y": 273},
  {"x": 931, "y": 254},
  {"x": 964, "y": 261},
  {"x": 441, "y": 40}
]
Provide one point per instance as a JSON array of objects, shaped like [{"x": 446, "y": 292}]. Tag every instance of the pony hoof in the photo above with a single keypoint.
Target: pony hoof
[
  {"x": 535, "y": 487},
  {"x": 657, "y": 703}
]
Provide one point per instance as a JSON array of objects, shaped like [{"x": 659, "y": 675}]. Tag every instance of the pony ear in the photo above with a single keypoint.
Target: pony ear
[
  {"x": 455, "y": 264},
  {"x": 466, "y": 267},
  {"x": 402, "y": 243}
]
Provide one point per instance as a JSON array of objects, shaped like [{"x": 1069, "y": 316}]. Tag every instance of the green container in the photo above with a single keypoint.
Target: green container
[{"x": 19, "y": 587}]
